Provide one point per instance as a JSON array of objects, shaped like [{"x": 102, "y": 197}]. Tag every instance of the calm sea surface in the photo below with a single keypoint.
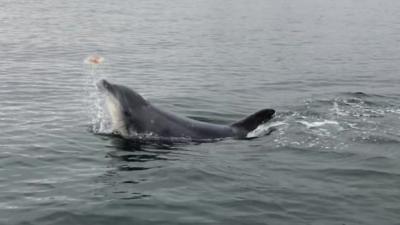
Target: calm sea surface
[{"x": 331, "y": 69}]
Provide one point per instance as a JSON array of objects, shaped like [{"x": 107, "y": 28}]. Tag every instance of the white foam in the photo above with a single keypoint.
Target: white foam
[
  {"x": 337, "y": 110},
  {"x": 318, "y": 123},
  {"x": 264, "y": 129}
]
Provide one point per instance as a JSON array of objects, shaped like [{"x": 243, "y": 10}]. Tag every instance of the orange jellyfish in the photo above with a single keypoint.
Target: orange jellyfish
[{"x": 94, "y": 60}]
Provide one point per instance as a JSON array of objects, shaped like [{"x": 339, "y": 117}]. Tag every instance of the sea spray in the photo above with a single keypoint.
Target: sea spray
[{"x": 95, "y": 101}]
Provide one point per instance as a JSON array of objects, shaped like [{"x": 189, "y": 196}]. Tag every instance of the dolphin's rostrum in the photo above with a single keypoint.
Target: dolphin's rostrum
[{"x": 132, "y": 115}]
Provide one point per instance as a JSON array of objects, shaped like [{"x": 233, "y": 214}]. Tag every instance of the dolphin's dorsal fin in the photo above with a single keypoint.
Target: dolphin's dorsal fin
[{"x": 251, "y": 122}]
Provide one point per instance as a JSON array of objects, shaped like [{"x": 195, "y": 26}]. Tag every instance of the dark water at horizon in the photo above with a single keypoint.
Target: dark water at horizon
[{"x": 329, "y": 68}]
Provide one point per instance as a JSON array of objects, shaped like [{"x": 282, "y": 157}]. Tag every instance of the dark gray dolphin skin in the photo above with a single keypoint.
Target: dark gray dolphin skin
[{"x": 132, "y": 115}]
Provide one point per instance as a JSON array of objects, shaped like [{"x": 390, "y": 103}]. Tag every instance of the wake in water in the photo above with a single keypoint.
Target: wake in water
[{"x": 337, "y": 123}]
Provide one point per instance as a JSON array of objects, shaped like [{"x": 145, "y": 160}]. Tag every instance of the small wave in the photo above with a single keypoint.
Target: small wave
[
  {"x": 376, "y": 139},
  {"x": 358, "y": 172},
  {"x": 392, "y": 110},
  {"x": 356, "y": 94},
  {"x": 358, "y": 108}
]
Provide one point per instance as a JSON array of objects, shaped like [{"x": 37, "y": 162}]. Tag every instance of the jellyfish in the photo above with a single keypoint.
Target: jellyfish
[{"x": 94, "y": 60}]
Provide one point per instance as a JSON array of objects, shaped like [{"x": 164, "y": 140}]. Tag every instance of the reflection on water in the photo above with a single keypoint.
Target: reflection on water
[
  {"x": 129, "y": 154},
  {"x": 130, "y": 161}
]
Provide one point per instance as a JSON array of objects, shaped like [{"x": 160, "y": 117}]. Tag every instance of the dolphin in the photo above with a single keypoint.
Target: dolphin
[{"x": 132, "y": 116}]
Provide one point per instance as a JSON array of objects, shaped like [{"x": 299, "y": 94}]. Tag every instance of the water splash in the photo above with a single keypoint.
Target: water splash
[
  {"x": 339, "y": 122},
  {"x": 315, "y": 124},
  {"x": 264, "y": 129},
  {"x": 100, "y": 121}
]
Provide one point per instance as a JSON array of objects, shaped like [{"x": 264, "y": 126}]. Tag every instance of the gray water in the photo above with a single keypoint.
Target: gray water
[{"x": 329, "y": 68}]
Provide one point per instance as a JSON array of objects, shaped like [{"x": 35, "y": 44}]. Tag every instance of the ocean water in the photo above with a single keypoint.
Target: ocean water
[{"x": 329, "y": 68}]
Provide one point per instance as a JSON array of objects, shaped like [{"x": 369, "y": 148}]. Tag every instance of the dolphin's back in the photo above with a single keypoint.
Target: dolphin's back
[
  {"x": 134, "y": 115},
  {"x": 167, "y": 124}
]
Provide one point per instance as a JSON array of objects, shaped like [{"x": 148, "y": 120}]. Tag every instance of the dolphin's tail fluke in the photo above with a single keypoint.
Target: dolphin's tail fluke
[{"x": 253, "y": 121}]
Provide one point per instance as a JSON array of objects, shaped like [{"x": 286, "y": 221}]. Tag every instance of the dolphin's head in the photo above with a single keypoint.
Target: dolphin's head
[{"x": 124, "y": 105}]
